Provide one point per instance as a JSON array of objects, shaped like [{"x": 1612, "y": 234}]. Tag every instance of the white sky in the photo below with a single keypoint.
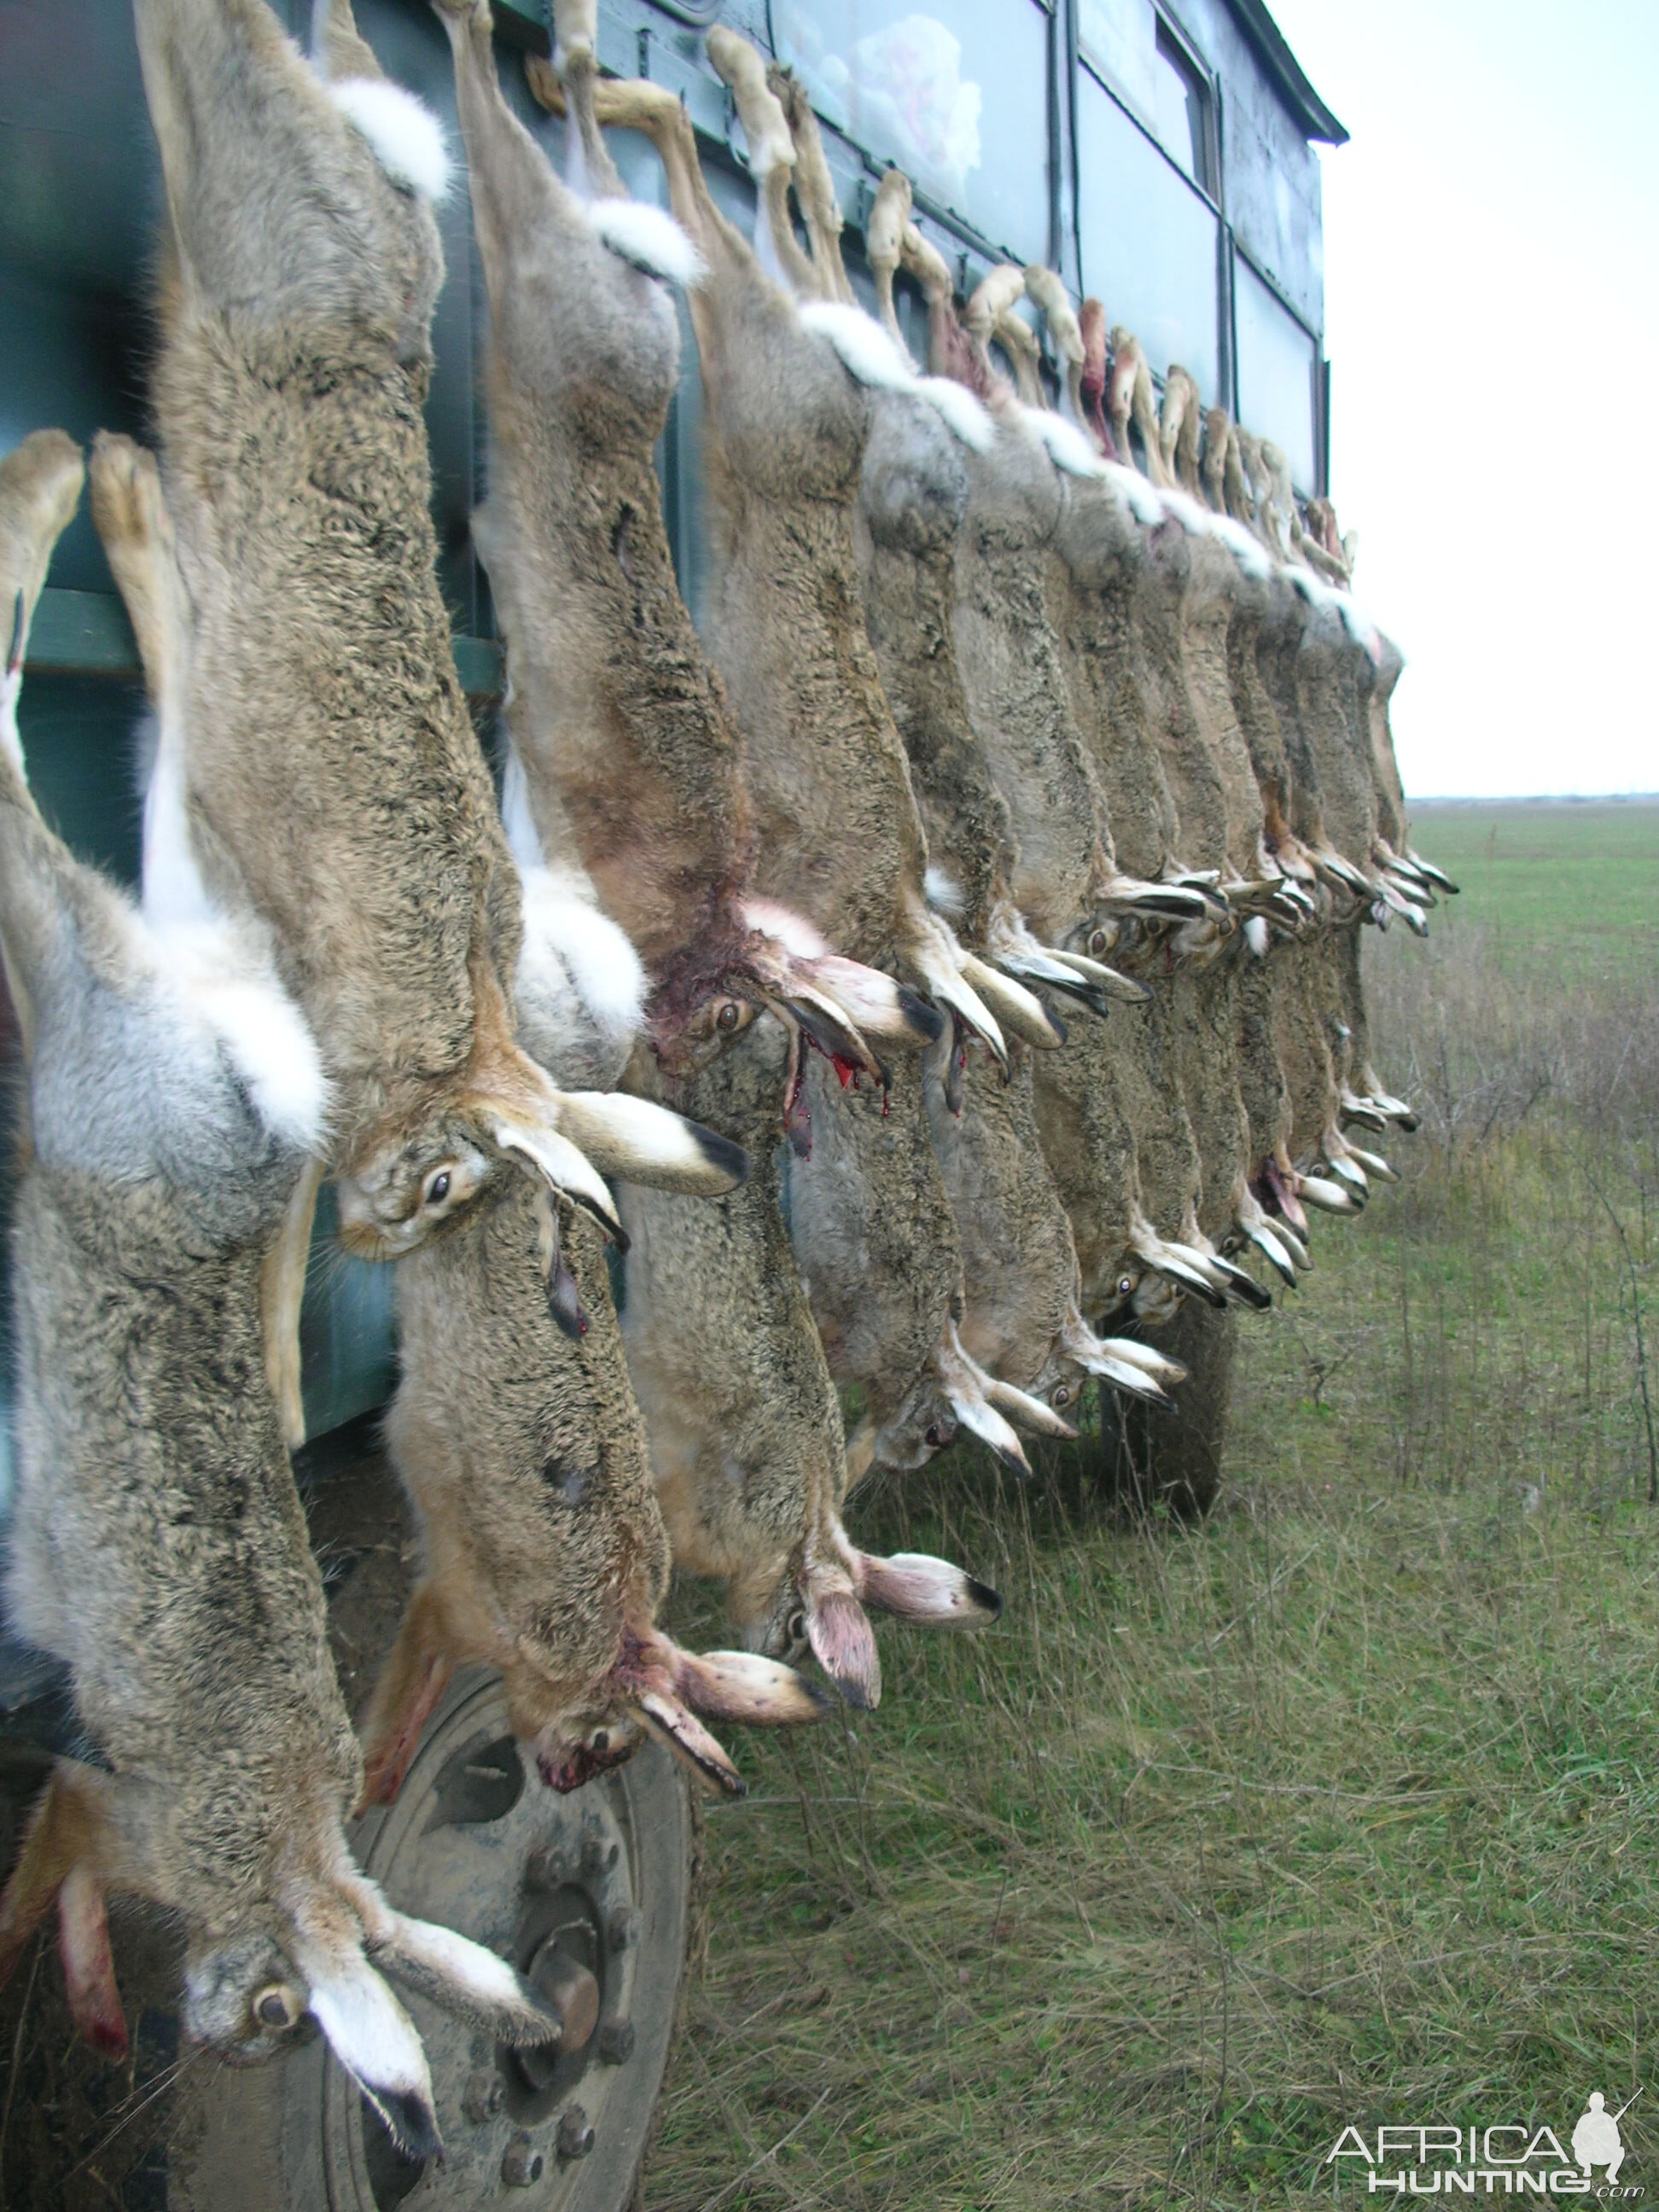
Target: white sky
[{"x": 1492, "y": 288}]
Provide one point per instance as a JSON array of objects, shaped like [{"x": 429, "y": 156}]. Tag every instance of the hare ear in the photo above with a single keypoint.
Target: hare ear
[
  {"x": 564, "y": 1168},
  {"x": 678, "y": 1727},
  {"x": 375, "y": 2039},
  {"x": 462, "y": 1979},
  {"x": 636, "y": 1141},
  {"x": 1033, "y": 1414},
  {"x": 844, "y": 1645}
]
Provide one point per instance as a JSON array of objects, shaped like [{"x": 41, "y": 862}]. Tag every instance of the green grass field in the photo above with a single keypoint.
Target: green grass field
[
  {"x": 1570, "y": 890},
  {"x": 1343, "y": 1808}
]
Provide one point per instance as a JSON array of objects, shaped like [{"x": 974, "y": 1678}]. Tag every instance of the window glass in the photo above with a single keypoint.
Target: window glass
[
  {"x": 1120, "y": 37},
  {"x": 1149, "y": 241},
  {"x": 961, "y": 106},
  {"x": 1276, "y": 362},
  {"x": 1182, "y": 107}
]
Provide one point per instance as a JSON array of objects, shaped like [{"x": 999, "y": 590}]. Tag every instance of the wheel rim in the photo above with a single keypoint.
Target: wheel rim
[{"x": 594, "y": 1885}]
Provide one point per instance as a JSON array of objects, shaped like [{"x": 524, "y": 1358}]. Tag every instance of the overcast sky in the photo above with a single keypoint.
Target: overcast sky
[{"x": 1492, "y": 288}]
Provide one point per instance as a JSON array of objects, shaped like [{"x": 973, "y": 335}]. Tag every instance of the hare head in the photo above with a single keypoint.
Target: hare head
[
  {"x": 320, "y": 1941},
  {"x": 508, "y": 1112}
]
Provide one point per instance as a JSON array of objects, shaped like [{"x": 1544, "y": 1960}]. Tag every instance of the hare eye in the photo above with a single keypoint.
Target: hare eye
[
  {"x": 276, "y": 2006},
  {"x": 437, "y": 1189},
  {"x": 1125, "y": 1284},
  {"x": 932, "y": 1436},
  {"x": 730, "y": 1015},
  {"x": 1097, "y": 943},
  {"x": 795, "y": 1627},
  {"x": 599, "y": 1741},
  {"x": 1062, "y": 1395}
]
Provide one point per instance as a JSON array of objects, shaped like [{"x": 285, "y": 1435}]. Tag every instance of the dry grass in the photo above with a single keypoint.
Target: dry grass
[{"x": 1341, "y": 1807}]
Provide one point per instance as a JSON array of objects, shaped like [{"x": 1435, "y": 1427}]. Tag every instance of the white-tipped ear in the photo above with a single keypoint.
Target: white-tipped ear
[
  {"x": 558, "y": 1160},
  {"x": 1130, "y": 1353},
  {"x": 975, "y": 1413},
  {"x": 1180, "y": 1266},
  {"x": 375, "y": 2039},
  {"x": 1327, "y": 1197},
  {"x": 941, "y": 971},
  {"x": 1017, "y": 1008},
  {"x": 1267, "y": 1240},
  {"x": 464, "y": 1979},
  {"x": 639, "y": 1142},
  {"x": 672, "y": 1723},
  {"x": 1030, "y": 1413},
  {"x": 874, "y": 1002},
  {"x": 1122, "y": 1376}
]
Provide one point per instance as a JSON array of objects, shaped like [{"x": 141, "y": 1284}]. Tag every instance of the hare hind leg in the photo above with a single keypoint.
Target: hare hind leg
[
  {"x": 276, "y": 213},
  {"x": 518, "y": 203},
  {"x": 338, "y": 48}
]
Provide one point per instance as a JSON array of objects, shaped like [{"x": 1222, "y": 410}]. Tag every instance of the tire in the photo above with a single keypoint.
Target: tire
[
  {"x": 1167, "y": 1459},
  {"x": 606, "y": 1876}
]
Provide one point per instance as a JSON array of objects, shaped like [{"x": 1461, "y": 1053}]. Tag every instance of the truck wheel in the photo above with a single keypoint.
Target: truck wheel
[
  {"x": 1167, "y": 1458},
  {"x": 596, "y": 1894},
  {"x": 587, "y": 1894}
]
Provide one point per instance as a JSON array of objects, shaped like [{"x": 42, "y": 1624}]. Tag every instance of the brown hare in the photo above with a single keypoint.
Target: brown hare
[
  {"x": 334, "y": 790},
  {"x": 620, "y": 728},
  {"x": 158, "y": 1545},
  {"x": 837, "y": 821}
]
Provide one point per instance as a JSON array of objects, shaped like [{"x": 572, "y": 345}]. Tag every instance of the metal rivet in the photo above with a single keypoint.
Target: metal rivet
[
  {"x": 623, "y": 1927},
  {"x": 616, "y": 2042},
  {"x": 547, "y": 1868},
  {"x": 481, "y": 2099},
  {"x": 522, "y": 2165},
  {"x": 576, "y": 2134}
]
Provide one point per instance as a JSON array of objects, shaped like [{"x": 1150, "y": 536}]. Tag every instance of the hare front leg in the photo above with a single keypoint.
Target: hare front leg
[{"x": 70, "y": 1849}]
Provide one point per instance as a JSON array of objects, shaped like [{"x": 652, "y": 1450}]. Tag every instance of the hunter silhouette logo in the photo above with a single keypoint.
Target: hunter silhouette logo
[
  {"x": 1504, "y": 2160},
  {"x": 1595, "y": 2140}
]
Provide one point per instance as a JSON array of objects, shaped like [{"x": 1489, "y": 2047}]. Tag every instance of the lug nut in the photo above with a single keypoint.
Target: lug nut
[
  {"x": 616, "y": 2042},
  {"x": 622, "y": 1929},
  {"x": 598, "y": 1854},
  {"x": 521, "y": 2168},
  {"x": 547, "y": 1868},
  {"x": 482, "y": 2098},
  {"x": 576, "y": 2134}
]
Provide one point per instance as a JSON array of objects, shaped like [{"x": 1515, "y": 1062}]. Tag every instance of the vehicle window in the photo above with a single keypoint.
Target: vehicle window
[
  {"x": 961, "y": 106},
  {"x": 1277, "y": 359},
  {"x": 1149, "y": 240},
  {"x": 1182, "y": 118},
  {"x": 1119, "y": 38},
  {"x": 1131, "y": 49}
]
